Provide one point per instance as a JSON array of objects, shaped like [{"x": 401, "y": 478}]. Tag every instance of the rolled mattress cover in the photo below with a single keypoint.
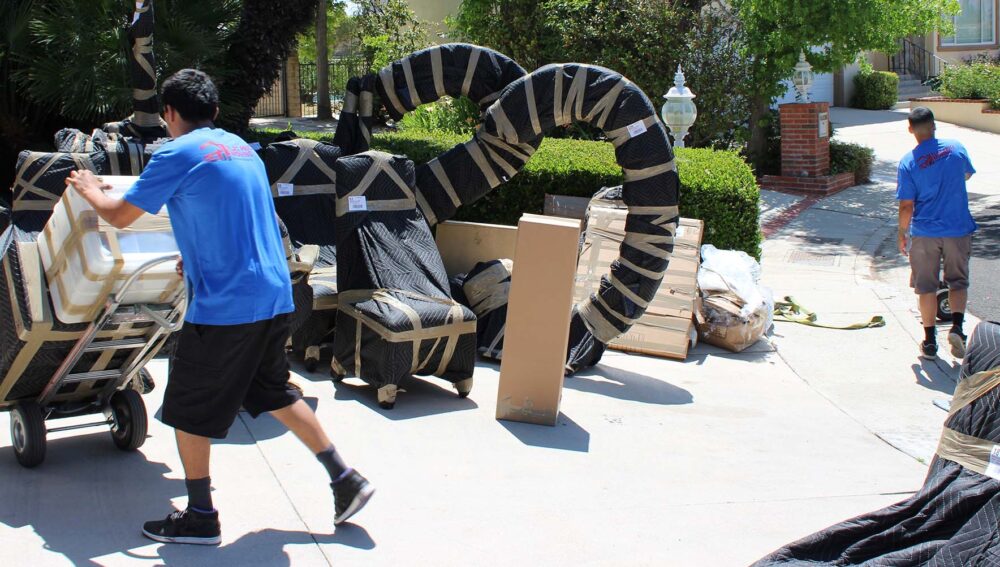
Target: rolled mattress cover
[{"x": 85, "y": 259}]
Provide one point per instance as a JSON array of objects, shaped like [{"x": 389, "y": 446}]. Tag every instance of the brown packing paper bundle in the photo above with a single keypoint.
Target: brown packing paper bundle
[
  {"x": 538, "y": 318},
  {"x": 721, "y": 323}
]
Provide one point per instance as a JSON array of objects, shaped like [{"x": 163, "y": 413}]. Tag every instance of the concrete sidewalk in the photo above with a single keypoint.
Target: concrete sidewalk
[{"x": 713, "y": 461}]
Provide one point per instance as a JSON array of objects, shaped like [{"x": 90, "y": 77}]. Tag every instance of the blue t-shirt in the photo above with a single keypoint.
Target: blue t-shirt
[
  {"x": 933, "y": 177},
  {"x": 219, "y": 199}
]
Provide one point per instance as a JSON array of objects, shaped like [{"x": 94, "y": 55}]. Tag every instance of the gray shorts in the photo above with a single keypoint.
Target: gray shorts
[{"x": 926, "y": 255}]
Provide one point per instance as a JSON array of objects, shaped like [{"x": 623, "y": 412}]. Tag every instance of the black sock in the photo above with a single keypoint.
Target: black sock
[
  {"x": 957, "y": 319},
  {"x": 200, "y": 494},
  {"x": 335, "y": 465},
  {"x": 930, "y": 335}
]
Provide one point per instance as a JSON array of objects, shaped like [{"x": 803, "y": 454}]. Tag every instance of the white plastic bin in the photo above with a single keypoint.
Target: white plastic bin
[{"x": 85, "y": 259}]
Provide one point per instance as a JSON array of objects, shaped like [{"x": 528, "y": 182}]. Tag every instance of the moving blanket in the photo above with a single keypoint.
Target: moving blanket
[
  {"x": 40, "y": 180},
  {"x": 145, "y": 123},
  {"x": 557, "y": 95},
  {"x": 952, "y": 520},
  {"x": 124, "y": 156},
  {"x": 303, "y": 183},
  {"x": 33, "y": 343},
  {"x": 486, "y": 290},
  {"x": 395, "y": 314}
]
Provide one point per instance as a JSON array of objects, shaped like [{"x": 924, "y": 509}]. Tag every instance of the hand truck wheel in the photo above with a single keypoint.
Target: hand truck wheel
[
  {"x": 943, "y": 306},
  {"x": 27, "y": 434},
  {"x": 129, "y": 420}
]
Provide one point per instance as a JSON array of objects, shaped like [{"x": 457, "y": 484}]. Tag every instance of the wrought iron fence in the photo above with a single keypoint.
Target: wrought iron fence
[
  {"x": 912, "y": 59},
  {"x": 273, "y": 103},
  {"x": 341, "y": 69}
]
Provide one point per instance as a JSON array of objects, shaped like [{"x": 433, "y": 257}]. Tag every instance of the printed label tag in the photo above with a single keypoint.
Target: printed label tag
[
  {"x": 254, "y": 146},
  {"x": 993, "y": 467},
  {"x": 636, "y": 129},
  {"x": 680, "y": 232},
  {"x": 286, "y": 189},
  {"x": 357, "y": 203}
]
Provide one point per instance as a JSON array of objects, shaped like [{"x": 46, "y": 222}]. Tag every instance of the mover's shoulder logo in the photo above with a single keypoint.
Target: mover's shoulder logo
[
  {"x": 222, "y": 152},
  {"x": 930, "y": 159}
]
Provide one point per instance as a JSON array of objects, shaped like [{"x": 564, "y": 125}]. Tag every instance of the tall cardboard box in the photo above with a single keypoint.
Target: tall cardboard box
[
  {"x": 465, "y": 244},
  {"x": 538, "y": 318},
  {"x": 666, "y": 327}
]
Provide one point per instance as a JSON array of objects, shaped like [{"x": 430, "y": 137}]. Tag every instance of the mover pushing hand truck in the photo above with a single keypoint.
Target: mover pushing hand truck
[{"x": 73, "y": 391}]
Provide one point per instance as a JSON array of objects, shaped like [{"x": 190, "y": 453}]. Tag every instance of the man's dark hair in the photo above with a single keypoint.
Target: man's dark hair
[
  {"x": 920, "y": 116},
  {"x": 192, "y": 94}
]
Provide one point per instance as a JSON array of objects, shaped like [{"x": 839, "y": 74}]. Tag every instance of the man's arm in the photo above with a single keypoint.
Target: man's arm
[
  {"x": 119, "y": 213},
  {"x": 905, "y": 216}
]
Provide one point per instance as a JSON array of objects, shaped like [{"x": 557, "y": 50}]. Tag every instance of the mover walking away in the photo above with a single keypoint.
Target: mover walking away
[
  {"x": 231, "y": 351},
  {"x": 935, "y": 225}
]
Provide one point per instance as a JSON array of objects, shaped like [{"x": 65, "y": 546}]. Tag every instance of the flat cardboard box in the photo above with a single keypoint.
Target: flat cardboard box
[
  {"x": 665, "y": 329},
  {"x": 538, "y": 319},
  {"x": 465, "y": 244}
]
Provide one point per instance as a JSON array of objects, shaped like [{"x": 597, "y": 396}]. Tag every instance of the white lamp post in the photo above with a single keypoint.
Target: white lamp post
[
  {"x": 679, "y": 112},
  {"x": 802, "y": 79}
]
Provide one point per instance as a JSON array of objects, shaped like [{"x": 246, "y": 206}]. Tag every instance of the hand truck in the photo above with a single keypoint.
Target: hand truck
[{"x": 72, "y": 393}]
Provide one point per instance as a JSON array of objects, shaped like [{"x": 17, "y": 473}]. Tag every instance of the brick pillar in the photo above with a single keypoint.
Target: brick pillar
[
  {"x": 293, "y": 99},
  {"x": 804, "y": 152}
]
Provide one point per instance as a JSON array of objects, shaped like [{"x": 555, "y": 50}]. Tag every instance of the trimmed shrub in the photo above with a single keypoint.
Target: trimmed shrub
[
  {"x": 876, "y": 90},
  {"x": 979, "y": 79},
  {"x": 716, "y": 186},
  {"x": 845, "y": 157}
]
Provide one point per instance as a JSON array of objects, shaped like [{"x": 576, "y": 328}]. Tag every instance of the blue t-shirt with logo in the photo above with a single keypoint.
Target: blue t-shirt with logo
[
  {"x": 219, "y": 199},
  {"x": 933, "y": 177}
]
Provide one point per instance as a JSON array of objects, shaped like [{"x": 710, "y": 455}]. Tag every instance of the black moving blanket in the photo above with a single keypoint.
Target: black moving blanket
[{"x": 953, "y": 520}]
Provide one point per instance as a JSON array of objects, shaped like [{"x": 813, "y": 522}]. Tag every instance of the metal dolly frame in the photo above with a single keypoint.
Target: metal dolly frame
[{"x": 122, "y": 407}]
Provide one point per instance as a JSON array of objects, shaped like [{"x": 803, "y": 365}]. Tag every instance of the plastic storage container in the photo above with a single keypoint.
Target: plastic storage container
[{"x": 85, "y": 259}]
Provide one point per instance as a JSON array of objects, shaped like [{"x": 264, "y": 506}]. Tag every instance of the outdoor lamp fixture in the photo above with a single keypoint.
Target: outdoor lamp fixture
[
  {"x": 802, "y": 79},
  {"x": 679, "y": 112}
]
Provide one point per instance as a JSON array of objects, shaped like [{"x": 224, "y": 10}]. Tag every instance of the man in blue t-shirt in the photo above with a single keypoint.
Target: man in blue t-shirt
[
  {"x": 231, "y": 351},
  {"x": 935, "y": 225}
]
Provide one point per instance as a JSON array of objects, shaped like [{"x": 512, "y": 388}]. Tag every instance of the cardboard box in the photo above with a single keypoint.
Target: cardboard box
[
  {"x": 538, "y": 318},
  {"x": 465, "y": 244},
  {"x": 665, "y": 329}
]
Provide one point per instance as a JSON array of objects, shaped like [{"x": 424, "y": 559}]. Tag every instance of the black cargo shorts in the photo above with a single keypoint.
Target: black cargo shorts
[{"x": 215, "y": 369}]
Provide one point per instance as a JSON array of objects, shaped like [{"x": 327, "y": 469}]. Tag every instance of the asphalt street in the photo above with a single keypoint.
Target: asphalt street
[{"x": 984, "y": 295}]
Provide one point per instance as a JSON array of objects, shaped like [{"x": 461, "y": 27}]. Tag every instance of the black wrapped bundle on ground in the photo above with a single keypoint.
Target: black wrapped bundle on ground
[
  {"x": 452, "y": 69},
  {"x": 395, "y": 316},
  {"x": 40, "y": 180},
  {"x": 33, "y": 343},
  {"x": 557, "y": 95},
  {"x": 74, "y": 141},
  {"x": 124, "y": 156},
  {"x": 485, "y": 290},
  {"x": 303, "y": 183},
  {"x": 952, "y": 520}
]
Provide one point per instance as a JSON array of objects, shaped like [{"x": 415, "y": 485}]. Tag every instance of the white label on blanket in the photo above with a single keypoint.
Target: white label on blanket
[
  {"x": 993, "y": 467},
  {"x": 286, "y": 189},
  {"x": 680, "y": 232},
  {"x": 357, "y": 203},
  {"x": 636, "y": 129},
  {"x": 254, "y": 146}
]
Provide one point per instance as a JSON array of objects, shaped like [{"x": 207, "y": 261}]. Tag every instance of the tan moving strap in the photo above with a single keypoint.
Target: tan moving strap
[
  {"x": 350, "y": 103},
  {"x": 529, "y": 93},
  {"x": 437, "y": 70},
  {"x": 523, "y": 152},
  {"x": 410, "y": 85},
  {"x": 603, "y": 108},
  {"x": 573, "y": 108},
  {"x": 625, "y": 291},
  {"x": 470, "y": 70},
  {"x": 390, "y": 88},
  {"x": 307, "y": 153},
  {"x": 651, "y": 171},
  {"x": 621, "y": 135},
  {"x": 488, "y": 290},
  {"x": 647, "y": 243},
  {"x": 82, "y": 161},
  {"x": 442, "y": 178},
  {"x": 425, "y": 208},
  {"x": 472, "y": 146},
  {"x": 970, "y": 452},
  {"x": 596, "y": 323}
]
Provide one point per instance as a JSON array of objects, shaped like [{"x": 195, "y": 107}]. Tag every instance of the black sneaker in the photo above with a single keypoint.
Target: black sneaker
[
  {"x": 957, "y": 342},
  {"x": 350, "y": 495},
  {"x": 928, "y": 350},
  {"x": 185, "y": 526}
]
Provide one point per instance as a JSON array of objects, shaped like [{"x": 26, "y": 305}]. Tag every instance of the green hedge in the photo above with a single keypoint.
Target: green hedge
[
  {"x": 876, "y": 90},
  {"x": 846, "y": 157},
  {"x": 977, "y": 79},
  {"x": 716, "y": 186}
]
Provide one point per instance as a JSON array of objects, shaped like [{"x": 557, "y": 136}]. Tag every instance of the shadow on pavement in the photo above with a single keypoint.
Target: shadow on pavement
[
  {"x": 264, "y": 548},
  {"x": 930, "y": 376},
  {"x": 625, "y": 385},
  {"x": 88, "y": 499},
  {"x": 421, "y": 398},
  {"x": 566, "y": 435}
]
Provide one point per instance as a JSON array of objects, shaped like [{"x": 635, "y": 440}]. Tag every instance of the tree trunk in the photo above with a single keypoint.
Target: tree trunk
[
  {"x": 760, "y": 107},
  {"x": 323, "y": 110}
]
